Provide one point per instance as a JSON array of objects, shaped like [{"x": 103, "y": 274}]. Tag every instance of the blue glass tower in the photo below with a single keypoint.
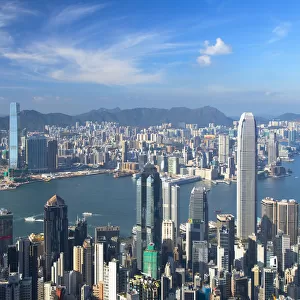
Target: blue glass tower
[{"x": 14, "y": 135}]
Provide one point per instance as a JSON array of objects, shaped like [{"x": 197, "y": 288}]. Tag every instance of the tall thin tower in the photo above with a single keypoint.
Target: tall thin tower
[
  {"x": 148, "y": 211},
  {"x": 14, "y": 135},
  {"x": 246, "y": 176}
]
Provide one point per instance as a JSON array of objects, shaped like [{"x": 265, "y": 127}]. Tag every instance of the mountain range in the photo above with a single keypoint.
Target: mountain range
[{"x": 144, "y": 117}]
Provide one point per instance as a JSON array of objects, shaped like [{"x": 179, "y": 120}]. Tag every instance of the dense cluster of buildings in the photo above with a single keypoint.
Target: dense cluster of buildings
[{"x": 236, "y": 257}]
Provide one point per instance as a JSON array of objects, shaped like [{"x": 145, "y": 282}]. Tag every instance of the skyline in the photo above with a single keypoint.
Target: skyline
[{"x": 84, "y": 55}]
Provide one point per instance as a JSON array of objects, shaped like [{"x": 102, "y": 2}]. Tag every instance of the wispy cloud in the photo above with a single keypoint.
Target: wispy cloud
[
  {"x": 280, "y": 32},
  {"x": 73, "y": 13},
  {"x": 219, "y": 48},
  {"x": 119, "y": 64},
  {"x": 11, "y": 10}
]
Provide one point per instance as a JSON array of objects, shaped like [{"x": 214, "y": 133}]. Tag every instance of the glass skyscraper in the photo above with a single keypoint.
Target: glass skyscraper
[
  {"x": 246, "y": 176},
  {"x": 148, "y": 211},
  {"x": 14, "y": 135},
  {"x": 55, "y": 233}
]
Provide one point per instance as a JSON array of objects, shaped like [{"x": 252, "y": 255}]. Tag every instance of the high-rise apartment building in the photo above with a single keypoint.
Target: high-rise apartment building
[
  {"x": 148, "y": 211},
  {"x": 52, "y": 156},
  {"x": 36, "y": 153},
  {"x": 246, "y": 176},
  {"x": 6, "y": 230},
  {"x": 14, "y": 135},
  {"x": 124, "y": 151},
  {"x": 78, "y": 259},
  {"x": 272, "y": 148},
  {"x": 173, "y": 165},
  {"x": 55, "y": 232},
  {"x": 223, "y": 148}
]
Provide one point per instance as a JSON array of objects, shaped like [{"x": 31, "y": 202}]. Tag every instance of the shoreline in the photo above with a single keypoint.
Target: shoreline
[{"x": 60, "y": 175}]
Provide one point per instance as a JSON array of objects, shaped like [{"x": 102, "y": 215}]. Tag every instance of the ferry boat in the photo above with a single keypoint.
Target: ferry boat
[
  {"x": 29, "y": 219},
  {"x": 87, "y": 214}
]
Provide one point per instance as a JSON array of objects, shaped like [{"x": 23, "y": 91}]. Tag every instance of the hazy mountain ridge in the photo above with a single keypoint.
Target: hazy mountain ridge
[
  {"x": 34, "y": 120},
  {"x": 288, "y": 117}
]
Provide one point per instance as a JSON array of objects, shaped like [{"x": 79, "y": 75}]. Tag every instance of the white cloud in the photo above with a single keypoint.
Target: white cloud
[
  {"x": 280, "y": 32},
  {"x": 120, "y": 64},
  {"x": 220, "y": 48},
  {"x": 204, "y": 60},
  {"x": 38, "y": 99},
  {"x": 73, "y": 13}
]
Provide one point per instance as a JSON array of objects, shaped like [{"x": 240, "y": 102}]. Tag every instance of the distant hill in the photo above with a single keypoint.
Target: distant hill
[
  {"x": 289, "y": 117},
  {"x": 34, "y": 120}
]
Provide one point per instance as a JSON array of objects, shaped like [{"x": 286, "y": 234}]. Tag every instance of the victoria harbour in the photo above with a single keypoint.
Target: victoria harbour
[{"x": 114, "y": 200}]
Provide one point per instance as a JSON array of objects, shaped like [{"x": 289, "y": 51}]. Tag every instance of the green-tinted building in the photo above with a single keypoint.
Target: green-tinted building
[{"x": 151, "y": 261}]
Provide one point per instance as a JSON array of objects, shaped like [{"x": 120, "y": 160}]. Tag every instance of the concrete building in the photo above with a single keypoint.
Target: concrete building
[{"x": 223, "y": 148}]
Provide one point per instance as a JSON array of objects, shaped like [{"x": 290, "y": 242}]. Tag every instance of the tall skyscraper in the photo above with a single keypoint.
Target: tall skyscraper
[
  {"x": 124, "y": 151},
  {"x": 14, "y": 135},
  {"x": 99, "y": 262},
  {"x": 55, "y": 232},
  {"x": 223, "y": 148},
  {"x": 279, "y": 216},
  {"x": 36, "y": 153},
  {"x": 52, "y": 159},
  {"x": 226, "y": 221},
  {"x": 170, "y": 196},
  {"x": 287, "y": 218},
  {"x": 6, "y": 230},
  {"x": 269, "y": 276},
  {"x": 148, "y": 211},
  {"x": 272, "y": 148},
  {"x": 198, "y": 209},
  {"x": 88, "y": 262},
  {"x": 197, "y": 226},
  {"x": 268, "y": 219},
  {"x": 246, "y": 176}
]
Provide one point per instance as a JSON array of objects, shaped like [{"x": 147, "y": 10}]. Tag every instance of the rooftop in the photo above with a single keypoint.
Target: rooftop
[
  {"x": 4, "y": 211},
  {"x": 55, "y": 201}
]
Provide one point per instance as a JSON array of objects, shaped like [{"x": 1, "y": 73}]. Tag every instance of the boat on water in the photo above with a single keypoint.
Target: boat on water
[
  {"x": 48, "y": 179},
  {"x": 87, "y": 214},
  {"x": 29, "y": 219}
]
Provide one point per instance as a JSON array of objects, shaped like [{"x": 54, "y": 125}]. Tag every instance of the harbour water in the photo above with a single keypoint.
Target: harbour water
[{"x": 113, "y": 200}]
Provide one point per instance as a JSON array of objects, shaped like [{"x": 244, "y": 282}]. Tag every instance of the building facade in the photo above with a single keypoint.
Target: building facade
[{"x": 246, "y": 176}]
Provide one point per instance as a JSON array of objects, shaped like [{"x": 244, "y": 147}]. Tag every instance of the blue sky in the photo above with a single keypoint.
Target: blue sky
[{"x": 71, "y": 57}]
